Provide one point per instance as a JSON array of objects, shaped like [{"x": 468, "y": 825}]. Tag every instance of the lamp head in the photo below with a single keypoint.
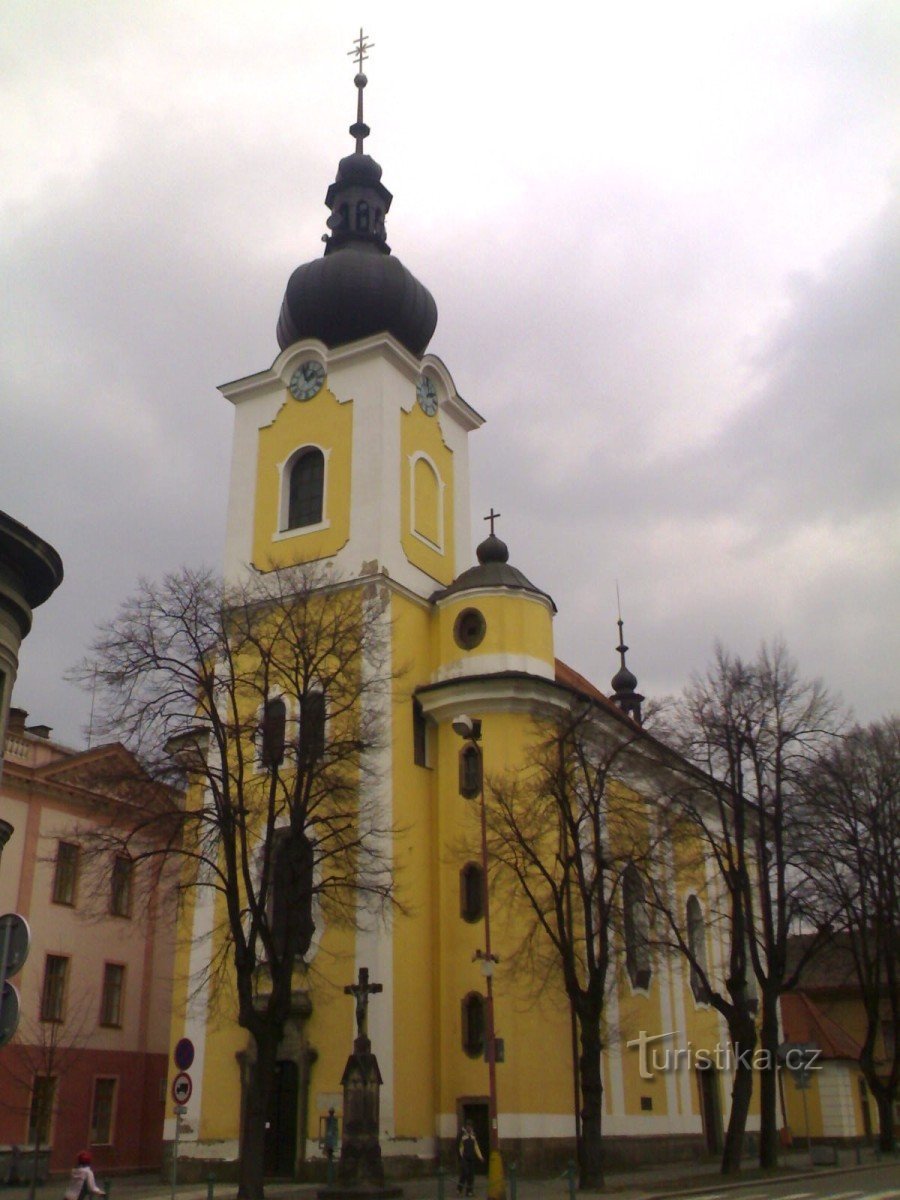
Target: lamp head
[{"x": 468, "y": 728}]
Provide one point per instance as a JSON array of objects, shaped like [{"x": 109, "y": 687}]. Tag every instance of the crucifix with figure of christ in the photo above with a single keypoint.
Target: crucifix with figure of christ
[{"x": 362, "y": 990}]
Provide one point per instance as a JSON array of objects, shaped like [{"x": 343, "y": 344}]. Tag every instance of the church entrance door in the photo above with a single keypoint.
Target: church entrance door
[
  {"x": 478, "y": 1112},
  {"x": 710, "y": 1108},
  {"x": 281, "y": 1127}
]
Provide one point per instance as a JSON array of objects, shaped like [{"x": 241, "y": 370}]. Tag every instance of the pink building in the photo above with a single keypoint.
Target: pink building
[{"x": 87, "y": 1067}]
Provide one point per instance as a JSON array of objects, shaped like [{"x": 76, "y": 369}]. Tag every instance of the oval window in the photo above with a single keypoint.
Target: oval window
[{"x": 468, "y": 631}]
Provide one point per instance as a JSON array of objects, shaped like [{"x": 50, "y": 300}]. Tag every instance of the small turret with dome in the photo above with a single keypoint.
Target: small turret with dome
[
  {"x": 357, "y": 288},
  {"x": 493, "y": 570},
  {"x": 624, "y": 683}
]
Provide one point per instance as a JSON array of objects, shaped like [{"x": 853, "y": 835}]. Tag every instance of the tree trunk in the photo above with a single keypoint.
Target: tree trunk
[
  {"x": 744, "y": 1043},
  {"x": 885, "y": 1121},
  {"x": 590, "y": 1155},
  {"x": 251, "y": 1168},
  {"x": 768, "y": 1085}
]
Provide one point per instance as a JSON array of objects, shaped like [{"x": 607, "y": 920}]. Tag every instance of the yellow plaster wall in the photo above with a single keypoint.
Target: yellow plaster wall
[
  {"x": 416, "y": 936},
  {"x": 515, "y": 623},
  {"x": 321, "y": 422},
  {"x": 530, "y": 1080},
  {"x": 421, "y": 433}
]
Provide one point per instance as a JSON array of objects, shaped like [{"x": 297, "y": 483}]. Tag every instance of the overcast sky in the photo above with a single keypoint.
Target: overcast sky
[{"x": 663, "y": 241}]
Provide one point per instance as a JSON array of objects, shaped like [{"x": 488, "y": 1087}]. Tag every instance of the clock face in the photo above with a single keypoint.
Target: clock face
[
  {"x": 427, "y": 396},
  {"x": 307, "y": 380}
]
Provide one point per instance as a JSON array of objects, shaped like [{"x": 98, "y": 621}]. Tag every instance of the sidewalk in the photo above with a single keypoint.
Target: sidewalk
[{"x": 650, "y": 1183}]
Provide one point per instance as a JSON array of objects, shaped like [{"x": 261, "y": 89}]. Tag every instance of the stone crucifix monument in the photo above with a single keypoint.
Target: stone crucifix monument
[{"x": 360, "y": 1170}]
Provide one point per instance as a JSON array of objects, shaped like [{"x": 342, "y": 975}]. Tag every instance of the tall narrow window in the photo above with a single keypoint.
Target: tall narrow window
[
  {"x": 53, "y": 993},
  {"x": 40, "y": 1112},
  {"x": 420, "y": 735},
  {"x": 113, "y": 990},
  {"x": 473, "y": 1024},
  {"x": 311, "y": 744},
  {"x": 471, "y": 892},
  {"x": 427, "y": 502},
  {"x": 120, "y": 886},
  {"x": 103, "y": 1111},
  {"x": 291, "y": 892},
  {"x": 637, "y": 928},
  {"x": 65, "y": 876},
  {"x": 696, "y": 937},
  {"x": 271, "y": 733},
  {"x": 306, "y": 489},
  {"x": 470, "y": 771}
]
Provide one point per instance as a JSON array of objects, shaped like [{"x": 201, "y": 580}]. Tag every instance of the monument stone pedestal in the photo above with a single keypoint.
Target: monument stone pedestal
[{"x": 360, "y": 1170}]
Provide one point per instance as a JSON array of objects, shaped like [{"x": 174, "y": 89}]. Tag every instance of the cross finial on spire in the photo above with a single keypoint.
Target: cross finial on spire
[
  {"x": 492, "y": 517},
  {"x": 361, "y": 46},
  {"x": 360, "y": 129}
]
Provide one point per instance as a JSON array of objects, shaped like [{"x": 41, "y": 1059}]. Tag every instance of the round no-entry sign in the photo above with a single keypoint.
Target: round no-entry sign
[{"x": 182, "y": 1088}]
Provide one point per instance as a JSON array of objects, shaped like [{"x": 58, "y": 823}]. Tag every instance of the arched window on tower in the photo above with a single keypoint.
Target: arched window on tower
[
  {"x": 306, "y": 488},
  {"x": 696, "y": 938},
  {"x": 362, "y": 216},
  {"x": 271, "y": 733},
  {"x": 637, "y": 928},
  {"x": 291, "y": 891},
  {"x": 311, "y": 742},
  {"x": 427, "y": 500}
]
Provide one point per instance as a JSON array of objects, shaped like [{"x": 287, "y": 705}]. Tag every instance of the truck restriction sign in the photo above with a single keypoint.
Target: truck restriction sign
[{"x": 182, "y": 1088}]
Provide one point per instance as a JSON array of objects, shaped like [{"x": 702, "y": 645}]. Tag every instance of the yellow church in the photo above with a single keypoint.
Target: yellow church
[{"x": 351, "y": 450}]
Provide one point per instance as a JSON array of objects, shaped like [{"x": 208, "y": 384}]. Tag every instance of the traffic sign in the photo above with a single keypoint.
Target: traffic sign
[
  {"x": 15, "y": 940},
  {"x": 182, "y": 1086},
  {"x": 184, "y": 1054},
  {"x": 9, "y": 1013}
]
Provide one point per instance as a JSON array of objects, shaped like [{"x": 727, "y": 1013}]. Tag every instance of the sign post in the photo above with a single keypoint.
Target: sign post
[{"x": 182, "y": 1086}]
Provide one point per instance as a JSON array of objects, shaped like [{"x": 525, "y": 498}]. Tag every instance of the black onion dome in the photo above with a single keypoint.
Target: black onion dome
[
  {"x": 357, "y": 289},
  {"x": 623, "y": 680},
  {"x": 493, "y": 571}
]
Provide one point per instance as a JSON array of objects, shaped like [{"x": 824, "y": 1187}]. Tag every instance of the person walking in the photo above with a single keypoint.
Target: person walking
[
  {"x": 331, "y": 1134},
  {"x": 469, "y": 1155},
  {"x": 82, "y": 1182}
]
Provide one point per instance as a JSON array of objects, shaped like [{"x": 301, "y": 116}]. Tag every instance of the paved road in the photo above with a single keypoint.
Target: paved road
[{"x": 869, "y": 1183}]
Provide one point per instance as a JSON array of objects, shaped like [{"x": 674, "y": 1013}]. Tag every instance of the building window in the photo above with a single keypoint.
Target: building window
[
  {"x": 53, "y": 994},
  {"x": 65, "y": 876},
  {"x": 102, "y": 1112},
  {"x": 471, "y": 892},
  {"x": 311, "y": 741},
  {"x": 271, "y": 733},
  {"x": 469, "y": 629},
  {"x": 291, "y": 890},
  {"x": 120, "y": 886},
  {"x": 113, "y": 989},
  {"x": 427, "y": 502},
  {"x": 420, "y": 735},
  {"x": 470, "y": 771},
  {"x": 696, "y": 938},
  {"x": 473, "y": 1024},
  {"x": 40, "y": 1112},
  {"x": 637, "y": 929},
  {"x": 306, "y": 489}
]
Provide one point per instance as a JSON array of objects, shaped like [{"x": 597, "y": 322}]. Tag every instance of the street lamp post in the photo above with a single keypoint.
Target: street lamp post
[{"x": 472, "y": 787}]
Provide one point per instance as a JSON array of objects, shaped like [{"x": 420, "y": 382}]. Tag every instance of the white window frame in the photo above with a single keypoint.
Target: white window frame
[
  {"x": 413, "y": 459},
  {"x": 284, "y": 493}
]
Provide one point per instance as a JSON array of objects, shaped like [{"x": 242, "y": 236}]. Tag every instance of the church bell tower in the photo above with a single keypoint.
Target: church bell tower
[{"x": 352, "y": 447}]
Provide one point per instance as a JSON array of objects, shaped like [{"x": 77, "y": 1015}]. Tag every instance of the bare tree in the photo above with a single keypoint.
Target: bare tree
[
  {"x": 34, "y": 1067},
  {"x": 757, "y": 728},
  {"x": 565, "y": 839},
  {"x": 265, "y": 702},
  {"x": 698, "y": 820},
  {"x": 853, "y": 860}
]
